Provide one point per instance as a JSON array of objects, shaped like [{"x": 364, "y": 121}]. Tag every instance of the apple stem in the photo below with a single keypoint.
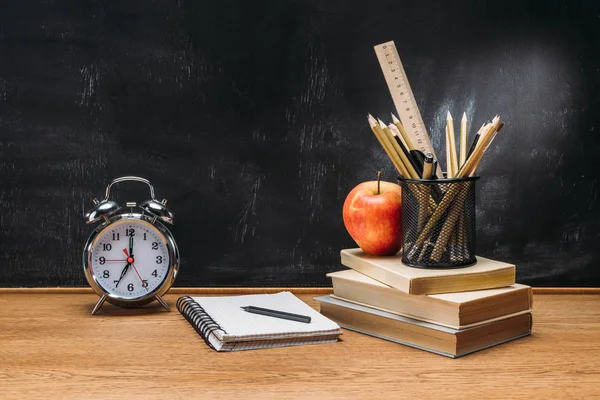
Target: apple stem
[{"x": 378, "y": 182}]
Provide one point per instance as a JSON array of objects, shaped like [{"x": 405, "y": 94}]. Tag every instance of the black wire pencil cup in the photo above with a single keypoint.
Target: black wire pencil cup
[
  {"x": 438, "y": 215},
  {"x": 444, "y": 242}
]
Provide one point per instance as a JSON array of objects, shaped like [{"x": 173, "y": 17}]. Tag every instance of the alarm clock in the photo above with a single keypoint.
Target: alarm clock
[{"x": 131, "y": 258}]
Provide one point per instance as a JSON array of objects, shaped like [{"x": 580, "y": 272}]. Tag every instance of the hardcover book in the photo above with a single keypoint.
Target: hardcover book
[
  {"x": 454, "y": 310},
  {"x": 424, "y": 335},
  {"x": 486, "y": 274}
]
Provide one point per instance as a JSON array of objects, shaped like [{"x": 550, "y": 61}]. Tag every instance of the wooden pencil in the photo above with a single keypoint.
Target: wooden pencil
[
  {"x": 463, "y": 139},
  {"x": 480, "y": 157},
  {"x": 484, "y": 141},
  {"x": 475, "y": 140},
  {"x": 397, "y": 133},
  {"x": 387, "y": 147},
  {"x": 398, "y": 137},
  {"x": 449, "y": 166},
  {"x": 452, "y": 140},
  {"x": 411, "y": 157},
  {"x": 403, "y": 132},
  {"x": 412, "y": 173}
]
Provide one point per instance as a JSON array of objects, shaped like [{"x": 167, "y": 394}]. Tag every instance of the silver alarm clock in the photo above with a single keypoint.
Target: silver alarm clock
[{"x": 131, "y": 258}]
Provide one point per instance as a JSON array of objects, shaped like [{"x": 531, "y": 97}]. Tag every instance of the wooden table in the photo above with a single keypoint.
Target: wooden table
[{"x": 51, "y": 347}]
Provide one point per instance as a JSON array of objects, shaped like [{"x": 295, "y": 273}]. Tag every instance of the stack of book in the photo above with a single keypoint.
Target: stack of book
[{"x": 451, "y": 312}]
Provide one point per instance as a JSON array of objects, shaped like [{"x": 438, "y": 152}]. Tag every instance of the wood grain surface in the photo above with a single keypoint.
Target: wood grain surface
[
  {"x": 51, "y": 347},
  {"x": 234, "y": 290}
]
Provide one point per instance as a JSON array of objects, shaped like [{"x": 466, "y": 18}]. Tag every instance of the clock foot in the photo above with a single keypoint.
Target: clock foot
[
  {"x": 99, "y": 304},
  {"x": 163, "y": 302}
]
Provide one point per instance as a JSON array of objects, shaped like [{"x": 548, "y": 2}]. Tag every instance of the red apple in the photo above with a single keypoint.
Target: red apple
[{"x": 373, "y": 217}]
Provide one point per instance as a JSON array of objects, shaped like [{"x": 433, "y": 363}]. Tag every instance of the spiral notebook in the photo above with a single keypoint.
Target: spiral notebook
[{"x": 224, "y": 326}]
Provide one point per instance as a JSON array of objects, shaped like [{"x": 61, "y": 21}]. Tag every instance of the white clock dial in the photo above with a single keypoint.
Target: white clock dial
[{"x": 130, "y": 259}]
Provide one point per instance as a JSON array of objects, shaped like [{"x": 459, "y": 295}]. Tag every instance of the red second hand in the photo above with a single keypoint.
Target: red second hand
[{"x": 139, "y": 276}]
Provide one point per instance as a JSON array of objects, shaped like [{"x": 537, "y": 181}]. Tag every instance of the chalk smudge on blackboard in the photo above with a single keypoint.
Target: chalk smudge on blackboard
[
  {"x": 90, "y": 77},
  {"x": 248, "y": 214}
]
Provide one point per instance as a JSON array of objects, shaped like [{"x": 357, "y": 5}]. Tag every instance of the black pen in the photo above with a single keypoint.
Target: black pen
[
  {"x": 435, "y": 165},
  {"x": 418, "y": 159},
  {"x": 411, "y": 158},
  {"x": 277, "y": 314}
]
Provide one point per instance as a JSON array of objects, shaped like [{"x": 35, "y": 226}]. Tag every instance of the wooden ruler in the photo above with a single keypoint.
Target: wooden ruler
[{"x": 404, "y": 99}]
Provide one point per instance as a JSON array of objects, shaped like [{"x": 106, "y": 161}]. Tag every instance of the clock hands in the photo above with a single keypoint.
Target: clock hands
[
  {"x": 144, "y": 284},
  {"x": 129, "y": 261},
  {"x": 122, "y": 274}
]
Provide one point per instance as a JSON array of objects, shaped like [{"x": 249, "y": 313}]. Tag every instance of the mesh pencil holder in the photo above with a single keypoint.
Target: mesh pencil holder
[{"x": 438, "y": 222}]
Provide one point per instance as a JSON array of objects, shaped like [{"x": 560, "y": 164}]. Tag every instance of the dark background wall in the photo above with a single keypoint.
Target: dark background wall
[{"x": 249, "y": 116}]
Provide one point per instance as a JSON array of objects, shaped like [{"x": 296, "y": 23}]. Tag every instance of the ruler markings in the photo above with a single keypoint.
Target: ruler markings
[{"x": 403, "y": 97}]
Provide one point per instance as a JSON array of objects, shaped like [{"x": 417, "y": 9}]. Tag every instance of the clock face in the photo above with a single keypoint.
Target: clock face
[{"x": 130, "y": 258}]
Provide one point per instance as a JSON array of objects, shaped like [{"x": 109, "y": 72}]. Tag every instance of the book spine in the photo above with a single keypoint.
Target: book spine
[{"x": 198, "y": 318}]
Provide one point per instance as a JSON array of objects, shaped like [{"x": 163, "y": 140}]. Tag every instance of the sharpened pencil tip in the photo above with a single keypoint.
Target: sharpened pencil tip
[
  {"x": 395, "y": 119},
  {"x": 448, "y": 116},
  {"x": 381, "y": 123},
  {"x": 464, "y": 116}
]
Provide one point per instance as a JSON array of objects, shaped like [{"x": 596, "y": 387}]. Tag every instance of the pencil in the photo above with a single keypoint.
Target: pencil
[
  {"x": 403, "y": 132},
  {"x": 449, "y": 167},
  {"x": 491, "y": 139},
  {"x": 398, "y": 139},
  {"x": 409, "y": 154},
  {"x": 394, "y": 131},
  {"x": 412, "y": 173},
  {"x": 463, "y": 139},
  {"x": 485, "y": 139},
  {"x": 397, "y": 133},
  {"x": 474, "y": 144},
  {"x": 387, "y": 147},
  {"x": 452, "y": 139}
]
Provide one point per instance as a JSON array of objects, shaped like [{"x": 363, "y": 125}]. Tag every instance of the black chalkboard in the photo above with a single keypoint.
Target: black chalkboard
[{"x": 249, "y": 116}]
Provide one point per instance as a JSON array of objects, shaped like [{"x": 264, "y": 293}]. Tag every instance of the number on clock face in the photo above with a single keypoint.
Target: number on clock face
[{"x": 130, "y": 258}]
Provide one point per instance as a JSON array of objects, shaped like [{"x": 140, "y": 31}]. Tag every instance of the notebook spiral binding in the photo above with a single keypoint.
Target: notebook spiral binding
[{"x": 198, "y": 318}]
